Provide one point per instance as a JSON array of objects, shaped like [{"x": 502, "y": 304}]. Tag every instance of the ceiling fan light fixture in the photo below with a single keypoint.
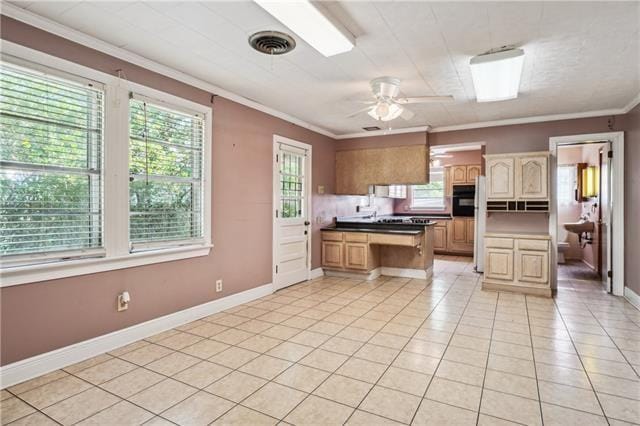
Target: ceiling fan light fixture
[
  {"x": 496, "y": 75},
  {"x": 384, "y": 111}
]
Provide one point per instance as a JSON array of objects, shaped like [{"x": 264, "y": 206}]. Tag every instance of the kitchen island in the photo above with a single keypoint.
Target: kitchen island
[{"x": 370, "y": 247}]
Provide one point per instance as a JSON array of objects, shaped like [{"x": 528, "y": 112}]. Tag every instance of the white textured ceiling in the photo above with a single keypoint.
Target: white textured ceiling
[{"x": 580, "y": 56}]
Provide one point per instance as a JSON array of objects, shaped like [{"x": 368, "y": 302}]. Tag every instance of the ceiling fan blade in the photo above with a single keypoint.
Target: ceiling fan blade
[
  {"x": 407, "y": 114},
  {"x": 358, "y": 112},
  {"x": 425, "y": 99}
]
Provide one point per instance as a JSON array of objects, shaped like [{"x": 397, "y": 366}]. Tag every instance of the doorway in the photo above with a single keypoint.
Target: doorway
[
  {"x": 587, "y": 212},
  {"x": 291, "y": 212}
]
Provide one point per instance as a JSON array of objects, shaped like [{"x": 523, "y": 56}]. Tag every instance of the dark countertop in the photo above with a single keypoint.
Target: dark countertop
[{"x": 402, "y": 231}]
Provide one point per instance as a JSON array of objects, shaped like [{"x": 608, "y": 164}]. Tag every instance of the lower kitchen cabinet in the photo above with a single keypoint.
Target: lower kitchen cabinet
[
  {"x": 440, "y": 237},
  {"x": 356, "y": 255},
  {"x": 332, "y": 254},
  {"x": 454, "y": 236},
  {"x": 518, "y": 263}
]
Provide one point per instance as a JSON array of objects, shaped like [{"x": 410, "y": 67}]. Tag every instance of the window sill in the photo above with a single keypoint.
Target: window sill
[{"x": 71, "y": 268}]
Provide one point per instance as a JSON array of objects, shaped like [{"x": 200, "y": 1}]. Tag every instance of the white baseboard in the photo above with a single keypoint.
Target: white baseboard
[
  {"x": 316, "y": 273},
  {"x": 375, "y": 273},
  {"x": 29, "y": 368},
  {"x": 632, "y": 297},
  {"x": 590, "y": 266},
  {"x": 407, "y": 273}
]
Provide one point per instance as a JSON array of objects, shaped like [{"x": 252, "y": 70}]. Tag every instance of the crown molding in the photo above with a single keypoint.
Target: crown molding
[
  {"x": 79, "y": 37},
  {"x": 384, "y": 132}
]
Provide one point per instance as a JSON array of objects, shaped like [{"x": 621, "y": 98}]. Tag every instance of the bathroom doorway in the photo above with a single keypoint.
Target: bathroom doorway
[{"x": 584, "y": 224}]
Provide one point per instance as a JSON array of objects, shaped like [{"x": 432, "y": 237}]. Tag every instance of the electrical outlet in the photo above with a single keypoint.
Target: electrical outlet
[
  {"x": 218, "y": 286},
  {"x": 123, "y": 301}
]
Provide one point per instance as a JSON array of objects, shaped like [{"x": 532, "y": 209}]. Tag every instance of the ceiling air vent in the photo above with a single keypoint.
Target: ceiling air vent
[
  {"x": 272, "y": 42},
  {"x": 371, "y": 128}
]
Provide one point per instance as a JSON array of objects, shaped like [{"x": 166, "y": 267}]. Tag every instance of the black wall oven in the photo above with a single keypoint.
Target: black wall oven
[{"x": 463, "y": 199}]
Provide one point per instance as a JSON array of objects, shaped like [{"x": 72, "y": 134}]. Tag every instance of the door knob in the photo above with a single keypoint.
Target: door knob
[{"x": 307, "y": 223}]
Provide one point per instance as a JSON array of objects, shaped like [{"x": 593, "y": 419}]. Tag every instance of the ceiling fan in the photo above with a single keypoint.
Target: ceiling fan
[{"x": 387, "y": 106}]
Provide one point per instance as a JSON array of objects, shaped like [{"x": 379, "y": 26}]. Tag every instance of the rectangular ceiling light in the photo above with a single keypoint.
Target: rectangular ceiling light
[
  {"x": 310, "y": 24},
  {"x": 496, "y": 76}
]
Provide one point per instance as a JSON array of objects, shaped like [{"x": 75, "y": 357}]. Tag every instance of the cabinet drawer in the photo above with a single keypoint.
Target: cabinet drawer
[
  {"x": 506, "y": 243},
  {"x": 541, "y": 245},
  {"x": 395, "y": 240},
  {"x": 356, "y": 237},
  {"x": 331, "y": 236}
]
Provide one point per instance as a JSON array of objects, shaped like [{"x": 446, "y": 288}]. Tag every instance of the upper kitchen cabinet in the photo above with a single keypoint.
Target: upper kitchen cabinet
[
  {"x": 357, "y": 169},
  {"x": 518, "y": 182},
  {"x": 465, "y": 174},
  {"x": 473, "y": 171}
]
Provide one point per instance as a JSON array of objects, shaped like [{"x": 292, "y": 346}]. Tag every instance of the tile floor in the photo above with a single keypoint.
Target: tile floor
[{"x": 391, "y": 351}]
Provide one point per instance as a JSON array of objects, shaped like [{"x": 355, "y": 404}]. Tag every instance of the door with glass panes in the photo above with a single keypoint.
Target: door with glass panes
[{"x": 291, "y": 230}]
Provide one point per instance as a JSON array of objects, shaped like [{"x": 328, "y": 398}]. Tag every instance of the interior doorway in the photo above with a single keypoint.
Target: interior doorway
[
  {"x": 291, "y": 211},
  {"x": 587, "y": 212}
]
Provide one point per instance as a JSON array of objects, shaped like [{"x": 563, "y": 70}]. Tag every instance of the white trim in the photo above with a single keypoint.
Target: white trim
[
  {"x": 277, "y": 140},
  {"x": 71, "y": 268},
  {"x": 383, "y": 132},
  {"x": 368, "y": 276},
  {"x": 58, "y": 29},
  {"x": 617, "y": 197},
  {"x": 407, "y": 273},
  {"x": 632, "y": 297},
  {"x": 35, "y": 366},
  {"x": 316, "y": 273},
  {"x": 116, "y": 190},
  {"x": 120, "y": 53}
]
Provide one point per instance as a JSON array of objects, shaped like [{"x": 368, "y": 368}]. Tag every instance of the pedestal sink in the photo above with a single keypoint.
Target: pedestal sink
[{"x": 580, "y": 227}]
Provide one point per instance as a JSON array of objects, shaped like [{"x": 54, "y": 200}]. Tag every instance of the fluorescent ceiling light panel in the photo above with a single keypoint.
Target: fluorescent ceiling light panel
[
  {"x": 311, "y": 25},
  {"x": 496, "y": 76}
]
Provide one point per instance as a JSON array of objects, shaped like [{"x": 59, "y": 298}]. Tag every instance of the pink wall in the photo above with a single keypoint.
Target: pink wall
[{"x": 458, "y": 158}]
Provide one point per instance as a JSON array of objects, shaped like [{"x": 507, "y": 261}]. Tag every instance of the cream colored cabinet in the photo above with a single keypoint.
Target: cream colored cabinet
[
  {"x": 440, "y": 237},
  {"x": 473, "y": 171},
  {"x": 532, "y": 177},
  {"x": 517, "y": 262},
  {"x": 470, "y": 230},
  {"x": 332, "y": 254},
  {"x": 500, "y": 178},
  {"x": 458, "y": 174},
  {"x": 356, "y": 255}
]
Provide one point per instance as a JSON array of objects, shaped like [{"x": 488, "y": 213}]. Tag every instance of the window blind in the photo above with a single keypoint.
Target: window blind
[
  {"x": 431, "y": 195},
  {"x": 51, "y": 164},
  {"x": 165, "y": 175}
]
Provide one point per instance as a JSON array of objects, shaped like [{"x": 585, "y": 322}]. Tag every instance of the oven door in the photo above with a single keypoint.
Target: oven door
[{"x": 463, "y": 206}]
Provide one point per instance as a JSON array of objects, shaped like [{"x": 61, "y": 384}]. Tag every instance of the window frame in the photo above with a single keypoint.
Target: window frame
[
  {"x": 443, "y": 207},
  {"x": 115, "y": 160}
]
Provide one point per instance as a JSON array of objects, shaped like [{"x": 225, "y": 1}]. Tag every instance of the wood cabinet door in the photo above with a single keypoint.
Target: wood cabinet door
[
  {"x": 500, "y": 178},
  {"x": 470, "y": 230},
  {"x": 448, "y": 185},
  {"x": 332, "y": 254},
  {"x": 499, "y": 264},
  {"x": 459, "y": 230},
  {"x": 356, "y": 255},
  {"x": 439, "y": 237},
  {"x": 473, "y": 171},
  {"x": 532, "y": 266},
  {"x": 532, "y": 177},
  {"x": 458, "y": 174}
]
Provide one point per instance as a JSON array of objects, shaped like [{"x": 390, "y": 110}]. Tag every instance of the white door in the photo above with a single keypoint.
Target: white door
[
  {"x": 605, "y": 219},
  {"x": 291, "y": 231}
]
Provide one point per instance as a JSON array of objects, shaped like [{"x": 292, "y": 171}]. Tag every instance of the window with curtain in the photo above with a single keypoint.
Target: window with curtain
[
  {"x": 431, "y": 195},
  {"x": 567, "y": 176},
  {"x": 51, "y": 138},
  {"x": 165, "y": 175}
]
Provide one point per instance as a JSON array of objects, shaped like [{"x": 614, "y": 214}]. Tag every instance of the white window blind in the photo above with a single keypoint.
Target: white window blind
[
  {"x": 165, "y": 175},
  {"x": 51, "y": 141},
  {"x": 431, "y": 195}
]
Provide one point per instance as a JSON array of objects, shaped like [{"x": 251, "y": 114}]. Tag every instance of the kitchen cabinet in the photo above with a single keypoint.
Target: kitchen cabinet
[
  {"x": 460, "y": 233},
  {"x": 518, "y": 263},
  {"x": 473, "y": 171},
  {"x": 332, "y": 254},
  {"x": 459, "y": 230},
  {"x": 357, "y": 169},
  {"x": 470, "y": 230},
  {"x": 448, "y": 183},
  {"x": 459, "y": 175},
  {"x": 356, "y": 255},
  {"x": 440, "y": 237},
  {"x": 518, "y": 182}
]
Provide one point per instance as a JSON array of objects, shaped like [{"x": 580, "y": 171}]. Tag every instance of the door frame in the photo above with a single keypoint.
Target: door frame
[
  {"x": 617, "y": 204},
  {"x": 277, "y": 140}
]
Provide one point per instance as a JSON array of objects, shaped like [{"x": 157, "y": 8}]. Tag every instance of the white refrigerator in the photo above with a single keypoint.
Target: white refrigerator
[{"x": 480, "y": 215}]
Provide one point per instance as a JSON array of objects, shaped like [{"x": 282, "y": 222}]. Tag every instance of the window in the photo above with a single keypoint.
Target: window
[
  {"x": 431, "y": 195},
  {"x": 165, "y": 175},
  {"x": 95, "y": 178},
  {"x": 567, "y": 176},
  {"x": 51, "y": 165},
  {"x": 291, "y": 184}
]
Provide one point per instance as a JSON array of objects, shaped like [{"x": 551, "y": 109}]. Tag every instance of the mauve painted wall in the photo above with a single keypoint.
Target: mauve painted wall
[{"x": 43, "y": 316}]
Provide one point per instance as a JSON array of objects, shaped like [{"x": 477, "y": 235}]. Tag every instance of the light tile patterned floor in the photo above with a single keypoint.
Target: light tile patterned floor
[{"x": 334, "y": 351}]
